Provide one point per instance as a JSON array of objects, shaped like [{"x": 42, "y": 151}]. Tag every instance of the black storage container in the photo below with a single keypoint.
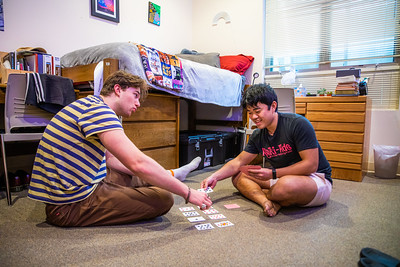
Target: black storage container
[{"x": 214, "y": 148}]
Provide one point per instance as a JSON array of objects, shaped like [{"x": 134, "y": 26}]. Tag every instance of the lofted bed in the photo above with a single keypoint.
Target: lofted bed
[{"x": 154, "y": 128}]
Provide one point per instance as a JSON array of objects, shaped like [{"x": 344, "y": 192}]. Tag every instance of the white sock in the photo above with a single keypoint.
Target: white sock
[{"x": 183, "y": 171}]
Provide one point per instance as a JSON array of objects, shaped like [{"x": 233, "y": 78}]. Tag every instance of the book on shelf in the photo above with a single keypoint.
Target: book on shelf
[
  {"x": 47, "y": 64},
  {"x": 34, "y": 61},
  {"x": 346, "y": 88},
  {"x": 346, "y": 92},
  {"x": 347, "y": 79},
  {"x": 353, "y": 84},
  {"x": 56, "y": 66},
  {"x": 31, "y": 62},
  {"x": 13, "y": 59}
]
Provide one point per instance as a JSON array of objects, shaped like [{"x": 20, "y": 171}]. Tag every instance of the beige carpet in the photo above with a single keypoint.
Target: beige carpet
[{"x": 358, "y": 215}]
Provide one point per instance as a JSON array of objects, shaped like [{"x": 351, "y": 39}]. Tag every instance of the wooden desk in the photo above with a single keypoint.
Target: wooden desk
[{"x": 342, "y": 125}]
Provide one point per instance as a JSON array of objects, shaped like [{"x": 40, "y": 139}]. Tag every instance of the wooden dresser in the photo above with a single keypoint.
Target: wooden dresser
[
  {"x": 342, "y": 125},
  {"x": 154, "y": 129}
]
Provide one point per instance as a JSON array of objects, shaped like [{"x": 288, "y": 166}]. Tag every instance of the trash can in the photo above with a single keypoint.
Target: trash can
[{"x": 386, "y": 160}]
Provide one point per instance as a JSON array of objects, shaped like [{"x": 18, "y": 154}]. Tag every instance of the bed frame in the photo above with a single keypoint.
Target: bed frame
[{"x": 154, "y": 128}]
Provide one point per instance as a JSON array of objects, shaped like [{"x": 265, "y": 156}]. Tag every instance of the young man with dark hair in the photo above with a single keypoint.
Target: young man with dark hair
[
  {"x": 87, "y": 170},
  {"x": 300, "y": 174}
]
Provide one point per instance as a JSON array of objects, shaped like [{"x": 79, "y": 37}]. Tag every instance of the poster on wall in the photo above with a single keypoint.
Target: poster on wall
[
  {"x": 106, "y": 9},
  {"x": 154, "y": 13},
  {"x": 1, "y": 16}
]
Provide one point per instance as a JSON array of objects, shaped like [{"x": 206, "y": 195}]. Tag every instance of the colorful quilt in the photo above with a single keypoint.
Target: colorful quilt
[{"x": 161, "y": 69}]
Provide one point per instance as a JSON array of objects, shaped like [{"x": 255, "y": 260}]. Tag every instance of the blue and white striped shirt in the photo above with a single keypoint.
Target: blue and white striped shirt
[{"x": 70, "y": 160}]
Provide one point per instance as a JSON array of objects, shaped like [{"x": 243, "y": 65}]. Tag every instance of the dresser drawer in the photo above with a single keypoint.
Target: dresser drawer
[
  {"x": 357, "y": 127},
  {"x": 339, "y": 146},
  {"x": 156, "y": 108},
  {"x": 335, "y": 116},
  {"x": 347, "y": 157},
  {"x": 340, "y": 107},
  {"x": 152, "y": 134},
  {"x": 344, "y": 137},
  {"x": 165, "y": 156}
]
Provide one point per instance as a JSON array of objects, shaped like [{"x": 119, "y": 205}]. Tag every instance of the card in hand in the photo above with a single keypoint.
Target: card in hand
[
  {"x": 196, "y": 219},
  {"x": 204, "y": 226},
  {"x": 208, "y": 190},
  {"x": 186, "y": 208},
  {"x": 190, "y": 213},
  {"x": 224, "y": 224},
  {"x": 245, "y": 169},
  {"x": 216, "y": 216}
]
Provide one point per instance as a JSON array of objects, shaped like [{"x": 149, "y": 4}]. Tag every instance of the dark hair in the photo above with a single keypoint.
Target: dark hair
[
  {"x": 125, "y": 80},
  {"x": 259, "y": 93}
]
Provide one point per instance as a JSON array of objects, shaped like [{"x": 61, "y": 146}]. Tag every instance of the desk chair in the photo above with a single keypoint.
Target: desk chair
[{"x": 21, "y": 122}]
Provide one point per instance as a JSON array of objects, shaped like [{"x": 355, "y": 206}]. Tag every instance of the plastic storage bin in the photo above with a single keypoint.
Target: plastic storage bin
[{"x": 214, "y": 148}]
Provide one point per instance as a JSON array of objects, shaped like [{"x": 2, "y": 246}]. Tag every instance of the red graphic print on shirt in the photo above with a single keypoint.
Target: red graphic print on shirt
[{"x": 272, "y": 152}]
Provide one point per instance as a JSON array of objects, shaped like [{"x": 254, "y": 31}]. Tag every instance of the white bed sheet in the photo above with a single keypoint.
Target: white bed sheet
[{"x": 202, "y": 82}]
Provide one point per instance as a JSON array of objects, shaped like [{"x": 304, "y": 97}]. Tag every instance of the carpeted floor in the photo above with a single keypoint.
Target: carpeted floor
[{"x": 358, "y": 215}]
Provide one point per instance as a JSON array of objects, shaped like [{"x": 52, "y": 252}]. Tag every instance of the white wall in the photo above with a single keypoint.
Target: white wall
[
  {"x": 63, "y": 26},
  {"x": 243, "y": 35}
]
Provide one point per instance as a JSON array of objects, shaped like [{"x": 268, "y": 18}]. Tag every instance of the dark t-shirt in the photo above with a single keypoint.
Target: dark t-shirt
[{"x": 293, "y": 134}]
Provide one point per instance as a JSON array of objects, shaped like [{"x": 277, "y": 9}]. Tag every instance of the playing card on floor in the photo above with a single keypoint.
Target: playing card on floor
[
  {"x": 186, "y": 208},
  {"x": 190, "y": 213},
  {"x": 224, "y": 224},
  {"x": 196, "y": 219},
  {"x": 231, "y": 206},
  {"x": 210, "y": 211},
  {"x": 204, "y": 226},
  {"x": 216, "y": 216}
]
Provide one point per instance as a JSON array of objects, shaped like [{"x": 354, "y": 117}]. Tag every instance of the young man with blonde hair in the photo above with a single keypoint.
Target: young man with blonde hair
[{"x": 88, "y": 172}]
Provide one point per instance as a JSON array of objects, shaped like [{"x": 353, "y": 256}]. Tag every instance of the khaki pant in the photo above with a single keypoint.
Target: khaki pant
[{"x": 118, "y": 199}]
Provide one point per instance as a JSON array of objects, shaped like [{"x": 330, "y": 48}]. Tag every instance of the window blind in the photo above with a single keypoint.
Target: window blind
[{"x": 317, "y": 35}]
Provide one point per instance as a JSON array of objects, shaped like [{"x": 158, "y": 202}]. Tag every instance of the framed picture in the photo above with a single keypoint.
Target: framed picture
[
  {"x": 154, "y": 13},
  {"x": 106, "y": 9}
]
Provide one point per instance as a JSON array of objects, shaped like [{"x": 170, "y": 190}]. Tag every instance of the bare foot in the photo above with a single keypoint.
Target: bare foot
[{"x": 271, "y": 208}]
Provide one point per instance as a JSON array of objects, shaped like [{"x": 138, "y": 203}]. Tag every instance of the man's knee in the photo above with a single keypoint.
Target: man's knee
[
  {"x": 165, "y": 200},
  {"x": 236, "y": 180}
]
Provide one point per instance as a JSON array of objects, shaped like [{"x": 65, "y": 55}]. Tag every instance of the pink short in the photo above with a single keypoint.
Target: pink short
[{"x": 324, "y": 190}]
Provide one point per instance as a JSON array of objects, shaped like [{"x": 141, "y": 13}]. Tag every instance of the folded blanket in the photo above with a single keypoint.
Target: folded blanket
[{"x": 161, "y": 69}]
